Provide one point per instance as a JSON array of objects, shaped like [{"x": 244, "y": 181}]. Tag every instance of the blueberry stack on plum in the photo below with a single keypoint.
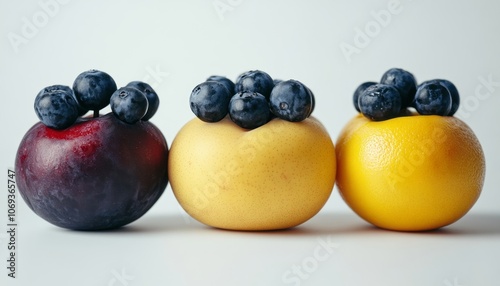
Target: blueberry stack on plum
[{"x": 93, "y": 172}]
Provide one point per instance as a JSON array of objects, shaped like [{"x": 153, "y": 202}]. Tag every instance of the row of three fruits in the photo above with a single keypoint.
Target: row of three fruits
[{"x": 104, "y": 172}]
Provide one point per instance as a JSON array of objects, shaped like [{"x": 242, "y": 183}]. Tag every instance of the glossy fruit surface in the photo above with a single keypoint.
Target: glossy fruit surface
[
  {"x": 410, "y": 173},
  {"x": 99, "y": 173}
]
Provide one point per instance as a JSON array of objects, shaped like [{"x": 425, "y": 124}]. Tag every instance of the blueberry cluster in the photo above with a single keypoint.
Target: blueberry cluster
[
  {"x": 59, "y": 106},
  {"x": 398, "y": 90},
  {"x": 251, "y": 101}
]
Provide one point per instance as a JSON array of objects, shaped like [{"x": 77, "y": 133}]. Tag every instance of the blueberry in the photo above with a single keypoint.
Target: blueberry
[
  {"x": 65, "y": 88},
  {"x": 380, "y": 102},
  {"x": 57, "y": 87},
  {"x": 313, "y": 100},
  {"x": 241, "y": 76},
  {"x": 275, "y": 82},
  {"x": 129, "y": 104},
  {"x": 432, "y": 98},
  {"x": 361, "y": 88},
  {"x": 404, "y": 82},
  {"x": 151, "y": 95},
  {"x": 56, "y": 107},
  {"x": 225, "y": 81},
  {"x": 209, "y": 101},
  {"x": 249, "y": 110},
  {"x": 255, "y": 81},
  {"x": 291, "y": 100},
  {"x": 93, "y": 89},
  {"x": 455, "y": 96}
]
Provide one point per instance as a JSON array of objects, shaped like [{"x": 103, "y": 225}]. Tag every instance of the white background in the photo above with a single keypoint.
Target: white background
[{"x": 175, "y": 45}]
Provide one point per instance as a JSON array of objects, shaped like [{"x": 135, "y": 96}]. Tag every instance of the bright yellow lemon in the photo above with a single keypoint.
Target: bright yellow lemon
[{"x": 410, "y": 173}]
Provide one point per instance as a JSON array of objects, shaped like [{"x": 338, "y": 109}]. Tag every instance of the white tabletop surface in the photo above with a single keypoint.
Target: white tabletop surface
[{"x": 333, "y": 248}]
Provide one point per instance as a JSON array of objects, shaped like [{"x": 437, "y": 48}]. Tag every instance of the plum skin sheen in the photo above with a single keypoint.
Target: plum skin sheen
[{"x": 100, "y": 173}]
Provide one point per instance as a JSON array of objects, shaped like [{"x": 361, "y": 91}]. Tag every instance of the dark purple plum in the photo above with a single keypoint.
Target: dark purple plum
[{"x": 100, "y": 173}]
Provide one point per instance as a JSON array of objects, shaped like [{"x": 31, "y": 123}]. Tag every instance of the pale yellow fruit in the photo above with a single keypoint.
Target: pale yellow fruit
[{"x": 273, "y": 177}]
